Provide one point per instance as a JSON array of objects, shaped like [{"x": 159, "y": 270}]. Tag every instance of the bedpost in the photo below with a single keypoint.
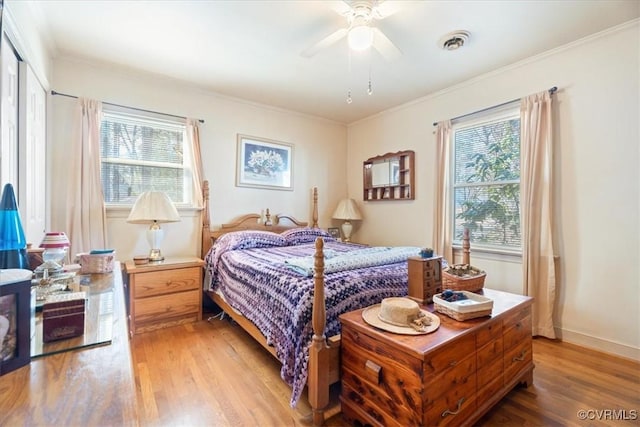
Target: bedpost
[
  {"x": 206, "y": 223},
  {"x": 466, "y": 247},
  {"x": 318, "y": 381},
  {"x": 315, "y": 208}
]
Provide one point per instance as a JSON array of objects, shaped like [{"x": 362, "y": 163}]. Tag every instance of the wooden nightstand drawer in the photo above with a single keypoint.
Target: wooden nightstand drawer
[
  {"x": 164, "y": 307},
  {"x": 167, "y": 282}
]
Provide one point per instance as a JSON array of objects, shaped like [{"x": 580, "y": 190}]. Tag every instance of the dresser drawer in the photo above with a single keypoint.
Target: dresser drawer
[
  {"x": 490, "y": 362},
  {"x": 452, "y": 378},
  {"x": 449, "y": 356},
  {"x": 166, "y": 281},
  {"x": 390, "y": 380},
  {"x": 520, "y": 331},
  {"x": 165, "y": 307},
  {"x": 489, "y": 332},
  {"x": 454, "y": 407},
  {"x": 517, "y": 358}
]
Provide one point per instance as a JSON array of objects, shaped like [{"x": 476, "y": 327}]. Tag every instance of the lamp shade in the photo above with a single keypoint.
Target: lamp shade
[
  {"x": 347, "y": 210},
  {"x": 55, "y": 240},
  {"x": 153, "y": 206}
]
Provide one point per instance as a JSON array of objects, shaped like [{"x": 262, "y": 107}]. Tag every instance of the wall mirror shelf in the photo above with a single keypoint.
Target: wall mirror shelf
[{"x": 389, "y": 177}]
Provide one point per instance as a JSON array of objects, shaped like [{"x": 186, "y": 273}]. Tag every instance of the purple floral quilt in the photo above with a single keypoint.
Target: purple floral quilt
[{"x": 256, "y": 281}]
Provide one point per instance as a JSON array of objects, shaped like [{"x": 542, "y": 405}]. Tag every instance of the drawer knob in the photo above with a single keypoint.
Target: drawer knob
[
  {"x": 448, "y": 412},
  {"x": 519, "y": 358}
]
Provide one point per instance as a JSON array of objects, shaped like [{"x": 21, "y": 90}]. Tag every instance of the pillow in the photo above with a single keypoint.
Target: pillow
[
  {"x": 245, "y": 239},
  {"x": 298, "y": 236},
  {"x": 248, "y": 239}
]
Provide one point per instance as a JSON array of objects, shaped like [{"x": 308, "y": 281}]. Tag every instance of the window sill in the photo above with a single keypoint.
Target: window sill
[{"x": 490, "y": 254}]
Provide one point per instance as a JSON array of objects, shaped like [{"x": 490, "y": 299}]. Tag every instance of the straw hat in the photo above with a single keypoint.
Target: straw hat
[{"x": 401, "y": 316}]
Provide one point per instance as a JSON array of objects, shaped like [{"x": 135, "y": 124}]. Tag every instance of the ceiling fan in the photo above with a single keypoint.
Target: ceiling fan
[{"x": 360, "y": 32}]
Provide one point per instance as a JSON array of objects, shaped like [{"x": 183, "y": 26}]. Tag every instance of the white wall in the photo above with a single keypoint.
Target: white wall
[
  {"x": 319, "y": 151},
  {"x": 597, "y": 179}
]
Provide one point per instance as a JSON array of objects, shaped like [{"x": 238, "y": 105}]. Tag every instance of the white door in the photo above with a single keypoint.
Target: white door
[
  {"x": 32, "y": 155},
  {"x": 9, "y": 116}
]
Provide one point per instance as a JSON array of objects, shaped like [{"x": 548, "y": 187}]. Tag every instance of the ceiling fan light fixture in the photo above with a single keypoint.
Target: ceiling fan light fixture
[{"x": 360, "y": 37}]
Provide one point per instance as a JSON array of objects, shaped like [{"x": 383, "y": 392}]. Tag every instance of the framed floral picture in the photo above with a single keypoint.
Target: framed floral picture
[{"x": 264, "y": 163}]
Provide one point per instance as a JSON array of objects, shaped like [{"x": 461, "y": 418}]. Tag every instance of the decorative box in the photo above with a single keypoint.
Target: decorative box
[
  {"x": 63, "y": 316},
  {"x": 425, "y": 278}
]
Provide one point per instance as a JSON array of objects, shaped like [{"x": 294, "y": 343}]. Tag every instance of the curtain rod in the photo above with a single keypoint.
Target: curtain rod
[
  {"x": 551, "y": 92},
  {"x": 53, "y": 92}
]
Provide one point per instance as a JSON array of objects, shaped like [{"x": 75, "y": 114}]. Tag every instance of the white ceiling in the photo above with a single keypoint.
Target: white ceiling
[{"x": 251, "y": 49}]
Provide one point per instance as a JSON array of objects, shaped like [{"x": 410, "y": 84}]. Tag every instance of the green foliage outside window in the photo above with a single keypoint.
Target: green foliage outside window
[{"x": 487, "y": 183}]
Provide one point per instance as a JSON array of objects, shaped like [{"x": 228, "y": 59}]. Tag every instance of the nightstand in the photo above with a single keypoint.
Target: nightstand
[{"x": 165, "y": 293}]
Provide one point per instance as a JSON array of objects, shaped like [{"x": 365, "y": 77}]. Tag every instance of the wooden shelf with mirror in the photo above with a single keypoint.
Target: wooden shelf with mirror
[{"x": 389, "y": 177}]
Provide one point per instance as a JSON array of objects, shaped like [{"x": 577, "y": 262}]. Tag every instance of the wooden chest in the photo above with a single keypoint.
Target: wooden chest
[{"x": 452, "y": 376}]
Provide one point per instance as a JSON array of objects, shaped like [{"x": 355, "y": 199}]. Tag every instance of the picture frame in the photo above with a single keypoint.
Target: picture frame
[
  {"x": 264, "y": 163},
  {"x": 15, "y": 325},
  {"x": 335, "y": 232}
]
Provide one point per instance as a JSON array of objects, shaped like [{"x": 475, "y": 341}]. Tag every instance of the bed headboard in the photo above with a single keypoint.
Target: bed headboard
[{"x": 276, "y": 223}]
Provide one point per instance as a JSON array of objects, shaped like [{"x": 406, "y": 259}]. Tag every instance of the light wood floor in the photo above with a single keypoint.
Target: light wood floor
[{"x": 214, "y": 374}]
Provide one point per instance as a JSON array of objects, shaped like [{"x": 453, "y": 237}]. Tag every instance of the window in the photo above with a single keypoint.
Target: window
[
  {"x": 144, "y": 153},
  {"x": 486, "y": 180}
]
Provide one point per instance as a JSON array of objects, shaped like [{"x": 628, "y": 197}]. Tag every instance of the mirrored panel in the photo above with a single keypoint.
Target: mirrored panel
[{"x": 389, "y": 177}]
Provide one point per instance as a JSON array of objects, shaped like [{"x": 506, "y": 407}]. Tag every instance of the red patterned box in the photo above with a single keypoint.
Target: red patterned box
[{"x": 63, "y": 319}]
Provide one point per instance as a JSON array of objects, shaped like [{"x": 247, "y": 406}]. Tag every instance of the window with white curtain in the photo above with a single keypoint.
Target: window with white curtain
[
  {"x": 144, "y": 152},
  {"x": 486, "y": 179}
]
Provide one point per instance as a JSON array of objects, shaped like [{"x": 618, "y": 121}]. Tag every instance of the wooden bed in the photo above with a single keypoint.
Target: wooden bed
[{"x": 324, "y": 354}]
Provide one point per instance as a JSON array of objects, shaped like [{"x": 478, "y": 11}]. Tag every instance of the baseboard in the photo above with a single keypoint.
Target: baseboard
[{"x": 610, "y": 347}]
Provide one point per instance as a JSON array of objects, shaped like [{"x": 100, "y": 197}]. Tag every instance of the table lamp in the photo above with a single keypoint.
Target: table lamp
[
  {"x": 55, "y": 245},
  {"x": 347, "y": 210},
  {"x": 153, "y": 207}
]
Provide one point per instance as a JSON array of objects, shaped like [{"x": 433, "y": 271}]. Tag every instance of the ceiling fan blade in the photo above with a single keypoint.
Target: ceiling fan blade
[
  {"x": 324, "y": 43},
  {"x": 384, "y": 46},
  {"x": 386, "y": 8},
  {"x": 339, "y": 6}
]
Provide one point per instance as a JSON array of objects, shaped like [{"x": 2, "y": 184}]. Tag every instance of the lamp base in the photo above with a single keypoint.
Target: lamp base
[
  {"x": 155, "y": 235},
  {"x": 347, "y": 228},
  {"x": 155, "y": 255}
]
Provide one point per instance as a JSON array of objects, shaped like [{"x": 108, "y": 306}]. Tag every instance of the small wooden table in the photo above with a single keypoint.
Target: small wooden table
[
  {"x": 451, "y": 376},
  {"x": 91, "y": 386},
  {"x": 164, "y": 293}
]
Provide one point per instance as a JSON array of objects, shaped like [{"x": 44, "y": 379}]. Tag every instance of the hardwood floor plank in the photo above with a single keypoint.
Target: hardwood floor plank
[{"x": 215, "y": 374}]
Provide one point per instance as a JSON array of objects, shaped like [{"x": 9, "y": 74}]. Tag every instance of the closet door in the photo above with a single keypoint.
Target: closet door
[
  {"x": 9, "y": 115},
  {"x": 32, "y": 155}
]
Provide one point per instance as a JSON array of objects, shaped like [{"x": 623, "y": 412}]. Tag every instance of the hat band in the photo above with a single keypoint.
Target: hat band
[{"x": 407, "y": 324}]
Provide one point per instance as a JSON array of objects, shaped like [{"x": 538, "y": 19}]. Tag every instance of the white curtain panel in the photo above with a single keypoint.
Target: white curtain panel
[
  {"x": 441, "y": 232},
  {"x": 538, "y": 257},
  {"x": 193, "y": 139},
  {"x": 85, "y": 221}
]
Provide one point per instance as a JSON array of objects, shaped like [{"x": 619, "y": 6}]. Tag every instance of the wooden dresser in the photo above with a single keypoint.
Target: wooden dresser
[
  {"x": 83, "y": 387},
  {"x": 452, "y": 376},
  {"x": 165, "y": 293}
]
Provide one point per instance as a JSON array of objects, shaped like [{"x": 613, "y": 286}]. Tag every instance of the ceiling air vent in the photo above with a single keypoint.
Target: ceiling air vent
[{"x": 454, "y": 40}]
